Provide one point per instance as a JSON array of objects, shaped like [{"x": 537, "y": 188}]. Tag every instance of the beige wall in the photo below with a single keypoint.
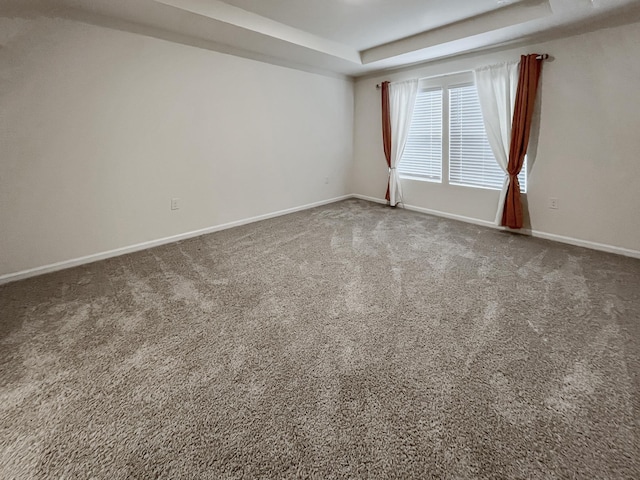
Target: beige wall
[
  {"x": 588, "y": 151},
  {"x": 100, "y": 128}
]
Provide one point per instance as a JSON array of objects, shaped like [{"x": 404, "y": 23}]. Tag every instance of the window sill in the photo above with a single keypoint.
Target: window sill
[{"x": 420, "y": 179}]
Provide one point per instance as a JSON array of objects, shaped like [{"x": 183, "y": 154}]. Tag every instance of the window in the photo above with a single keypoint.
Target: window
[
  {"x": 471, "y": 160},
  {"x": 460, "y": 153},
  {"x": 422, "y": 155}
]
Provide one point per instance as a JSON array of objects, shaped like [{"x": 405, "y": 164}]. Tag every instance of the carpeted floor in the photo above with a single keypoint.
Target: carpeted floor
[{"x": 347, "y": 341}]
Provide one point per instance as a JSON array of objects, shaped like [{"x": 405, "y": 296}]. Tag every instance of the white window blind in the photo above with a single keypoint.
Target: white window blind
[
  {"x": 422, "y": 155},
  {"x": 471, "y": 161}
]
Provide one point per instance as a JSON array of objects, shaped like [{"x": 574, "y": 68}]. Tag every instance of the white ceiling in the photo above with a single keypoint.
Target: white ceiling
[
  {"x": 363, "y": 24},
  {"x": 350, "y": 37}
]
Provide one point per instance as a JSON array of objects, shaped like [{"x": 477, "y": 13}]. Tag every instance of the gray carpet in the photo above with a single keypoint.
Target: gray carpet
[{"x": 347, "y": 341}]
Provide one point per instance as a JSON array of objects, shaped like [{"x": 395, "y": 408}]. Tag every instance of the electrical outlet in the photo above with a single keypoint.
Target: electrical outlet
[
  {"x": 553, "y": 203},
  {"x": 175, "y": 204}
]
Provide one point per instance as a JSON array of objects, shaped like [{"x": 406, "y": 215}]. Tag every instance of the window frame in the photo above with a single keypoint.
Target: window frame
[
  {"x": 446, "y": 82},
  {"x": 424, "y": 178}
]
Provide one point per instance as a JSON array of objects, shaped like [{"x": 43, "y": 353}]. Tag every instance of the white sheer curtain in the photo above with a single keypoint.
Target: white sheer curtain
[
  {"x": 497, "y": 86},
  {"x": 402, "y": 98}
]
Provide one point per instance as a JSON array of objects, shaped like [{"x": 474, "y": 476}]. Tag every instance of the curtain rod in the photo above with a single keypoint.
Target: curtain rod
[{"x": 544, "y": 56}]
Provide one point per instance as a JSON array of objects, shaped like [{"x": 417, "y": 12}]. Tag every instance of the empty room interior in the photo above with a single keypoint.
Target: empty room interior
[{"x": 322, "y": 239}]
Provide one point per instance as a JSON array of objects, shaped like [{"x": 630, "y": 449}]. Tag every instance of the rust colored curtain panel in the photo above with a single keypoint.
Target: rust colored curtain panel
[
  {"x": 386, "y": 131},
  {"x": 530, "y": 68}
]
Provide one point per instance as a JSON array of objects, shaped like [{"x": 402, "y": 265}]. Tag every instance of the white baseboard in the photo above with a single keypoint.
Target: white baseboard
[
  {"x": 603, "y": 247},
  {"x": 627, "y": 252},
  {"x": 451, "y": 216},
  {"x": 32, "y": 272},
  {"x": 12, "y": 277},
  {"x": 369, "y": 199}
]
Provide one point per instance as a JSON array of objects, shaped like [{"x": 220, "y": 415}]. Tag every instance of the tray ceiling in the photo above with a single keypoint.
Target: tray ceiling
[{"x": 348, "y": 37}]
